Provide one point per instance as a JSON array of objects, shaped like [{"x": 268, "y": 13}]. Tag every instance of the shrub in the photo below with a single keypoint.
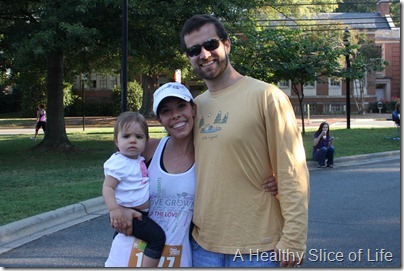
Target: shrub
[
  {"x": 134, "y": 98},
  {"x": 387, "y": 106}
]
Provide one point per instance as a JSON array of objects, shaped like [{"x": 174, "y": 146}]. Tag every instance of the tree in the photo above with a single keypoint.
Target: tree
[
  {"x": 300, "y": 57},
  {"x": 366, "y": 60},
  {"x": 154, "y": 31},
  {"x": 47, "y": 35},
  {"x": 54, "y": 36}
]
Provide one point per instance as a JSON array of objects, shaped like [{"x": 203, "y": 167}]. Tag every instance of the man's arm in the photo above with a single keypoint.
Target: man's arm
[{"x": 288, "y": 160}]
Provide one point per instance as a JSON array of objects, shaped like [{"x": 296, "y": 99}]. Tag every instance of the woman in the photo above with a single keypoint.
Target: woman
[
  {"x": 172, "y": 183},
  {"x": 40, "y": 120},
  {"x": 323, "y": 148}
]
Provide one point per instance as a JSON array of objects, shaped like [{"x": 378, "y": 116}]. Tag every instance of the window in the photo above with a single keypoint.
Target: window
[
  {"x": 103, "y": 82},
  {"x": 283, "y": 84},
  {"x": 112, "y": 82},
  {"x": 309, "y": 85},
  {"x": 334, "y": 83},
  {"x": 379, "y": 50}
]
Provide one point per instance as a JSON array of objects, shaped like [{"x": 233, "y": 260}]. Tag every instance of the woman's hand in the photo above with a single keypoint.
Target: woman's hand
[{"x": 271, "y": 185}]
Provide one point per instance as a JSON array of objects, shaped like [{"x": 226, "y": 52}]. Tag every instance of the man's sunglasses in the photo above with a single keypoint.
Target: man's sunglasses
[{"x": 209, "y": 45}]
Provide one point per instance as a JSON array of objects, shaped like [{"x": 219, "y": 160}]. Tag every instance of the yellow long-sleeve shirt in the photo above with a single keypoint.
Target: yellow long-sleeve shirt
[{"x": 242, "y": 135}]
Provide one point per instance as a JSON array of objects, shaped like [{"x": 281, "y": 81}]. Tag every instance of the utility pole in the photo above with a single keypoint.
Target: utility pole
[
  {"x": 347, "y": 43},
  {"x": 124, "y": 64}
]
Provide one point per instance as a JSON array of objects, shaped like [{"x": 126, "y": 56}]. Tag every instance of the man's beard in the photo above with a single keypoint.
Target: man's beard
[{"x": 216, "y": 73}]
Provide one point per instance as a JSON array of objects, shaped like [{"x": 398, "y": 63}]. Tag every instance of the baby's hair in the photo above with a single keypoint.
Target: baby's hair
[{"x": 127, "y": 118}]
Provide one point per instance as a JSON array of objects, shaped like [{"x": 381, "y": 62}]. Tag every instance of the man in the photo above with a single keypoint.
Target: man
[{"x": 245, "y": 130}]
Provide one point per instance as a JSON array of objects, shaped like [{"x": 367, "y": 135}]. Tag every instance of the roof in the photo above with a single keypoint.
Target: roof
[
  {"x": 369, "y": 21},
  {"x": 356, "y": 20}
]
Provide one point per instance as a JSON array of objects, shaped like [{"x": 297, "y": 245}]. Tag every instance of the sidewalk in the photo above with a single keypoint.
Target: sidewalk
[
  {"x": 368, "y": 120},
  {"x": 75, "y": 124},
  {"x": 106, "y": 121}
]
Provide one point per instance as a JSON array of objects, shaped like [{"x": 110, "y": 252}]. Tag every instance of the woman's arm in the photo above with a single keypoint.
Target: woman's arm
[
  {"x": 331, "y": 141},
  {"x": 317, "y": 139}
]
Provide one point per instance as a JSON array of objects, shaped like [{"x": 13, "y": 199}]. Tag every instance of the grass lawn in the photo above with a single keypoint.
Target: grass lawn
[{"x": 37, "y": 182}]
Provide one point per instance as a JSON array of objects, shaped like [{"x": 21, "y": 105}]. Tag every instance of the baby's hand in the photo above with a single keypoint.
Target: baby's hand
[{"x": 116, "y": 218}]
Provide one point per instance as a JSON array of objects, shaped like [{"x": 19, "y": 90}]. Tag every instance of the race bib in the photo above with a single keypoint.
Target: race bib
[{"x": 171, "y": 256}]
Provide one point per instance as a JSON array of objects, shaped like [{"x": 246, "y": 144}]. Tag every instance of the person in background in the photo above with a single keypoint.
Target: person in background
[
  {"x": 323, "y": 148},
  {"x": 396, "y": 114},
  {"x": 127, "y": 184},
  {"x": 245, "y": 130},
  {"x": 40, "y": 120}
]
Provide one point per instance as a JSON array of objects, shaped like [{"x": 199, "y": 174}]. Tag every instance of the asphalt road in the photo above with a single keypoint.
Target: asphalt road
[
  {"x": 355, "y": 216},
  {"x": 354, "y": 221}
]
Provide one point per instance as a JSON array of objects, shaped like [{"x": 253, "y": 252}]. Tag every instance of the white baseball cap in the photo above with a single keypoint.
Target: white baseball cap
[{"x": 171, "y": 89}]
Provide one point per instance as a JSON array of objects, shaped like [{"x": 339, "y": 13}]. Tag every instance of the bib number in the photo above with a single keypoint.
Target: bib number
[{"x": 171, "y": 256}]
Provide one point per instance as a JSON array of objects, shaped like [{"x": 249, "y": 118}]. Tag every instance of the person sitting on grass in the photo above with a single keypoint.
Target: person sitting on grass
[{"x": 323, "y": 148}]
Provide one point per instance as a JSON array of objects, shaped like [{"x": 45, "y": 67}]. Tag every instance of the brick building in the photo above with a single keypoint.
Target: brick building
[{"x": 331, "y": 97}]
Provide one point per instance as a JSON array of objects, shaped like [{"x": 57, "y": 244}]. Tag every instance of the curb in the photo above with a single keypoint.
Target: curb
[
  {"x": 356, "y": 159},
  {"x": 26, "y": 230}
]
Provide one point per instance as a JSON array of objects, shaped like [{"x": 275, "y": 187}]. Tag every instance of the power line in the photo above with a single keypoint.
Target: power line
[
  {"x": 323, "y": 22},
  {"x": 323, "y": 29},
  {"x": 324, "y": 4},
  {"x": 343, "y": 25},
  {"x": 325, "y": 19}
]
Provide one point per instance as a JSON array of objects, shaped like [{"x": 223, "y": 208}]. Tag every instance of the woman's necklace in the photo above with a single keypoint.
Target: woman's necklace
[{"x": 177, "y": 162}]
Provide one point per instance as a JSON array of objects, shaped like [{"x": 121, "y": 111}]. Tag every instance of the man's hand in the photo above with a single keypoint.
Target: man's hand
[
  {"x": 271, "y": 185},
  {"x": 289, "y": 259},
  {"x": 290, "y": 263}
]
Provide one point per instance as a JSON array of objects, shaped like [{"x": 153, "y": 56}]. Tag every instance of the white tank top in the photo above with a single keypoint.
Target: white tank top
[{"x": 172, "y": 202}]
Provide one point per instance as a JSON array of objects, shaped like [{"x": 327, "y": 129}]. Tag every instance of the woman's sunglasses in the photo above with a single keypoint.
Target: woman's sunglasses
[{"x": 209, "y": 45}]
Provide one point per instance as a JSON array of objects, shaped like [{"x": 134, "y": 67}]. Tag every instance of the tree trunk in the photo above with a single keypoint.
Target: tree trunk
[
  {"x": 302, "y": 115},
  {"x": 55, "y": 136},
  {"x": 300, "y": 96},
  {"x": 149, "y": 85}
]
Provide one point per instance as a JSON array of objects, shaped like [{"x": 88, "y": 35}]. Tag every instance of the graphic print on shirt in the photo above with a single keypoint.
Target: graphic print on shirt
[
  {"x": 209, "y": 124},
  {"x": 173, "y": 212},
  {"x": 178, "y": 207}
]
